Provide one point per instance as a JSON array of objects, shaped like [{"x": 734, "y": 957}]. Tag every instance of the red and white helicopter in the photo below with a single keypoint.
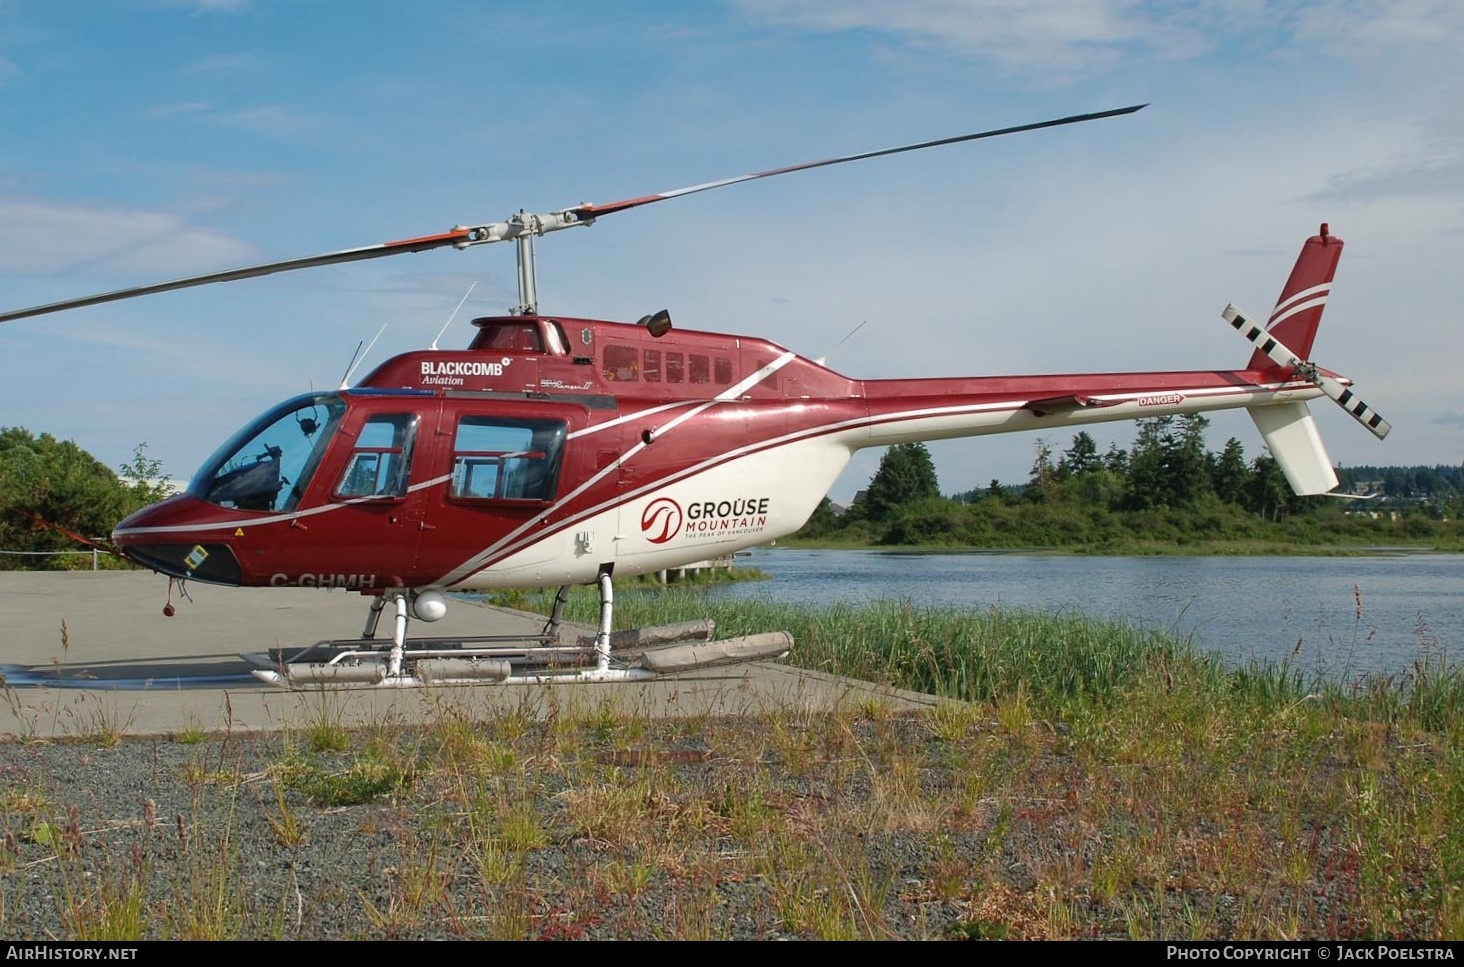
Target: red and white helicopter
[{"x": 560, "y": 451}]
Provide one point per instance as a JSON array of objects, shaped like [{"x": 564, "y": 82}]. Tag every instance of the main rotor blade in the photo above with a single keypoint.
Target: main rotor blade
[
  {"x": 522, "y": 224},
  {"x": 595, "y": 211},
  {"x": 455, "y": 237}
]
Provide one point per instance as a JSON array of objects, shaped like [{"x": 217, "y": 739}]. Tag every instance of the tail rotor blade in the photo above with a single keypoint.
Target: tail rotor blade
[
  {"x": 1350, "y": 402},
  {"x": 1268, "y": 344},
  {"x": 1278, "y": 353}
]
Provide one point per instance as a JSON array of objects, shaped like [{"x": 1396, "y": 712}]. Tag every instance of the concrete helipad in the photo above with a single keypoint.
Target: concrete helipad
[{"x": 89, "y": 652}]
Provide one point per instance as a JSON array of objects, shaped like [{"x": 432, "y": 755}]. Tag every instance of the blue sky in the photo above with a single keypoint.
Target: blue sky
[{"x": 151, "y": 139}]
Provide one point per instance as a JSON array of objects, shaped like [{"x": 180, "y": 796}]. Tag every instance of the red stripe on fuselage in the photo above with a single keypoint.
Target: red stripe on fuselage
[{"x": 886, "y": 402}]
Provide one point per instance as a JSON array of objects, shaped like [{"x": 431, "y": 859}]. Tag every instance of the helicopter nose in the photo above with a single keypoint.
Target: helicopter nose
[{"x": 173, "y": 538}]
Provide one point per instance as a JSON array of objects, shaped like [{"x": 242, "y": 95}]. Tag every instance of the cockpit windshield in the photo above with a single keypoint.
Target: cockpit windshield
[{"x": 268, "y": 464}]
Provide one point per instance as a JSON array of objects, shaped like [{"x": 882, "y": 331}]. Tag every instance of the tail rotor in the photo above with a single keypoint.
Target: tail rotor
[{"x": 1273, "y": 349}]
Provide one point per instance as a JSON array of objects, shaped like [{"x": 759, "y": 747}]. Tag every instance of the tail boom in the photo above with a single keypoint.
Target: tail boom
[{"x": 919, "y": 410}]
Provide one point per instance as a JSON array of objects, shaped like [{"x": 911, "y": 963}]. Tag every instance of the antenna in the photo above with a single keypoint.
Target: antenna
[
  {"x": 359, "y": 356},
  {"x": 453, "y": 316},
  {"x": 820, "y": 360}
]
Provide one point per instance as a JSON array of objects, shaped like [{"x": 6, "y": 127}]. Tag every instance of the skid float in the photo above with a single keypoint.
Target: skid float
[{"x": 636, "y": 655}]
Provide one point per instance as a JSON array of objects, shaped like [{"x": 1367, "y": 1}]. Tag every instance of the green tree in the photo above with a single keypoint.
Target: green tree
[
  {"x": 1269, "y": 494},
  {"x": 1147, "y": 482},
  {"x": 906, "y": 475},
  {"x": 144, "y": 477},
  {"x": 1230, "y": 475},
  {"x": 1188, "y": 463},
  {"x": 47, "y": 484},
  {"x": 1169, "y": 466},
  {"x": 822, "y": 522},
  {"x": 1100, "y": 489},
  {"x": 1116, "y": 460},
  {"x": 1044, "y": 475},
  {"x": 1081, "y": 457}
]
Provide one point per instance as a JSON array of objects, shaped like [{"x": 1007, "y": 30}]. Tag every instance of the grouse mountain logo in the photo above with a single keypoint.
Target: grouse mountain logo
[
  {"x": 661, "y": 520},
  {"x": 664, "y": 519}
]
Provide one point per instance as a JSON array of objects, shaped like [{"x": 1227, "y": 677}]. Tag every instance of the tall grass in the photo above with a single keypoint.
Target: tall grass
[
  {"x": 1056, "y": 658},
  {"x": 1082, "y": 779},
  {"x": 963, "y": 654}
]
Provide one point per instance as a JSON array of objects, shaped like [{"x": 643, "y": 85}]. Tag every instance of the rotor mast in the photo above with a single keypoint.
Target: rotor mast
[
  {"x": 522, "y": 229},
  {"x": 528, "y": 278}
]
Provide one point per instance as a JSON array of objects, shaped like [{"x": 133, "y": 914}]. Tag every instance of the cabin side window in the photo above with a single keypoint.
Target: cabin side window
[
  {"x": 651, "y": 365},
  {"x": 675, "y": 368},
  {"x": 701, "y": 368},
  {"x": 506, "y": 458},
  {"x": 622, "y": 364},
  {"x": 723, "y": 367},
  {"x": 381, "y": 459}
]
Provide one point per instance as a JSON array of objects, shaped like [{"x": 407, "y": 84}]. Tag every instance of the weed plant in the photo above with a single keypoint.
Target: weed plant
[{"x": 1076, "y": 779}]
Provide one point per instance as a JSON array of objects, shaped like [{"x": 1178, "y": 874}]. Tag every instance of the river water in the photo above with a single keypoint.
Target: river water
[{"x": 1338, "y": 616}]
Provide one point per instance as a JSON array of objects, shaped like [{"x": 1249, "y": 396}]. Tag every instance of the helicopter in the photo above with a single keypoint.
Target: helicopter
[{"x": 559, "y": 451}]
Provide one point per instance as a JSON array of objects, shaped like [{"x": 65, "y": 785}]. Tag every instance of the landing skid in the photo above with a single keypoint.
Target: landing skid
[{"x": 402, "y": 662}]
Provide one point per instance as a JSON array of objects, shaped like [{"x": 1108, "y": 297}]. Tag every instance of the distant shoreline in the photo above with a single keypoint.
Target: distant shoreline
[{"x": 1134, "y": 549}]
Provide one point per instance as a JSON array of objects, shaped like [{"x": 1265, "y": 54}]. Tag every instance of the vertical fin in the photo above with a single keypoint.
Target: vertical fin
[
  {"x": 1292, "y": 437},
  {"x": 1298, "y": 312}
]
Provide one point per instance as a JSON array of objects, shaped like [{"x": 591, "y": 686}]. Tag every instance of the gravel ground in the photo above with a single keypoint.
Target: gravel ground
[
  {"x": 715, "y": 829},
  {"x": 847, "y": 825}
]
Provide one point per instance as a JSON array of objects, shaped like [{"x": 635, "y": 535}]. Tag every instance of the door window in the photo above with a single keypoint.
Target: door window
[
  {"x": 381, "y": 459},
  {"x": 507, "y": 458}
]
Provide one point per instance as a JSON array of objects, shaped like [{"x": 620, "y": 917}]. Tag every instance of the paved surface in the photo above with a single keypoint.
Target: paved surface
[{"x": 87, "y": 652}]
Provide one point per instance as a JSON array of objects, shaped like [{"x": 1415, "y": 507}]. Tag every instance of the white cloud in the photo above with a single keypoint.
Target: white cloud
[
  {"x": 176, "y": 109},
  {"x": 1423, "y": 175},
  {"x": 1368, "y": 28},
  {"x": 1065, "y": 37},
  {"x": 1055, "y": 35},
  {"x": 1404, "y": 161},
  {"x": 225, "y": 63},
  {"x": 44, "y": 237},
  {"x": 269, "y": 119},
  {"x": 207, "y": 6}
]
